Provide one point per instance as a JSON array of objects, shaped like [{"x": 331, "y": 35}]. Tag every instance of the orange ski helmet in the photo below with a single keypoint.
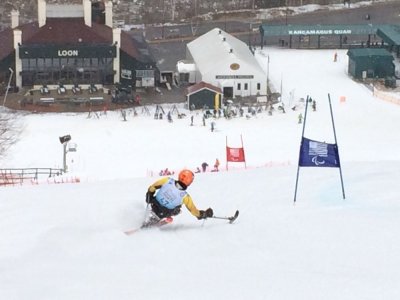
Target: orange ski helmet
[{"x": 186, "y": 177}]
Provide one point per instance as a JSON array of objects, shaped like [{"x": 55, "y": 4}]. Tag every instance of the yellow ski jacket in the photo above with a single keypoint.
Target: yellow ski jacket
[{"x": 187, "y": 200}]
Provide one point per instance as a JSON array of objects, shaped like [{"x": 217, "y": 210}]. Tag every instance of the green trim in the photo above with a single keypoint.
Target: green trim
[{"x": 318, "y": 29}]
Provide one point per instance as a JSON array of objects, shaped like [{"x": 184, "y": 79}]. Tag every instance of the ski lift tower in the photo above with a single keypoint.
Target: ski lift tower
[{"x": 64, "y": 140}]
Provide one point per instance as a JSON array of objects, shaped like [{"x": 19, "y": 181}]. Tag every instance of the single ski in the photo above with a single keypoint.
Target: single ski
[{"x": 150, "y": 224}]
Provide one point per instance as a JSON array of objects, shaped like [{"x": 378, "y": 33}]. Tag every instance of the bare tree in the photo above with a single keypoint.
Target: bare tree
[{"x": 9, "y": 131}]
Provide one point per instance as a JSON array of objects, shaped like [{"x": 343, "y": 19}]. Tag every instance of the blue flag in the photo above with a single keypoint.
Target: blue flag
[{"x": 318, "y": 154}]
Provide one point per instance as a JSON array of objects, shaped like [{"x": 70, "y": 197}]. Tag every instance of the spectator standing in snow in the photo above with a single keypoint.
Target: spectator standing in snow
[
  {"x": 300, "y": 118},
  {"x": 212, "y": 126},
  {"x": 137, "y": 100},
  {"x": 216, "y": 165},
  {"x": 166, "y": 196},
  {"x": 123, "y": 114},
  {"x": 204, "y": 166}
]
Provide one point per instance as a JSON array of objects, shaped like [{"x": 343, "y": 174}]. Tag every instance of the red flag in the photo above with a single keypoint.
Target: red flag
[{"x": 235, "y": 154}]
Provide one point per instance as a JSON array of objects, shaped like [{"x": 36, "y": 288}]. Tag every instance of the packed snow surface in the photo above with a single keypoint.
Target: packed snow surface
[{"x": 66, "y": 240}]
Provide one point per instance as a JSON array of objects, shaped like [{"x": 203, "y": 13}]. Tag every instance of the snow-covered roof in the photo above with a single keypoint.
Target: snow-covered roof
[
  {"x": 216, "y": 47},
  {"x": 200, "y": 86},
  {"x": 184, "y": 66}
]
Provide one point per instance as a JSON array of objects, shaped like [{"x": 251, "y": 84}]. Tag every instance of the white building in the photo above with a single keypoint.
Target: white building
[{"x": 224, "y": 61}]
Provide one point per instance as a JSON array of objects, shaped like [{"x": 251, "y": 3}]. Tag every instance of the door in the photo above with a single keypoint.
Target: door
[{"x": 228, "y": 92}]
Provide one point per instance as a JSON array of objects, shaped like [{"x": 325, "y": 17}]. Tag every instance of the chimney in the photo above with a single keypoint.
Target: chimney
[
  {"x": 41, "y": 12},
  {"x": 18, "y": 61},
  {"x": 109, "y": 13},
  {"x": 14, "y": 19},
  {"x": 87, "y": 12},
  {"x": 117, "y": 43}
]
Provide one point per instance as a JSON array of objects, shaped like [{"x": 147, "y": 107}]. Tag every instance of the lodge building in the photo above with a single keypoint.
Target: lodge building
[
  {"x": 73, "y": 45},
  {"x": 224, "y": 62}
]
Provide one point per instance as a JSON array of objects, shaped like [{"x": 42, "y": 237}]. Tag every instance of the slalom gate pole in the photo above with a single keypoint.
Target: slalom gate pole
[
  {"x": 334, "y": 133},
  {"x": 301, "y": 146},
  {"x": 226, "y": 149},
  {"x": 244, "y": 157}
]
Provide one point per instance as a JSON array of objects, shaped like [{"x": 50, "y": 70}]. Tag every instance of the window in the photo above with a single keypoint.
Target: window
[
  {"x": 86, "y": 62},
  {"x": 145, "y": 73},
  {"x": 64, "y": 62},
  {"x": 239, "y": 86},
  {"x": 95, "y": 62},
  {"x": 246, "y": 86},
  {"x": 48, "y": 63},
  {"x": 40, "y": 63},
  {"x": 25, "y": 64},
  {"x": 258, "y": 86},
  {"x": 32, "y": 64},
  {"x": 184, "y": 77},
  {"x": 144, "y": 78}
]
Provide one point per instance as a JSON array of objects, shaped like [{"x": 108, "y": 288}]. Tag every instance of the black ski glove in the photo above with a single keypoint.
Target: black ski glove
[
  {"x": 149, "y": 197},
  {"x": 204, "y": 214}
]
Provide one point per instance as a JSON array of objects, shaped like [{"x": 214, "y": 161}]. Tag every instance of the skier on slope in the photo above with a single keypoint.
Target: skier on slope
[{"x": 171, "y": 194}]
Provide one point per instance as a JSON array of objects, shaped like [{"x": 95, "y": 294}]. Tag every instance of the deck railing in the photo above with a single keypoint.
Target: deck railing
[{"x": 20, "y": 175}]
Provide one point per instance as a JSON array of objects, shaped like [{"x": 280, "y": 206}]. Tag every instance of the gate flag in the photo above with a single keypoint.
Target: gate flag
[
  {"x": 318, "y": 154},
  {"x": 235, "y": 154}
]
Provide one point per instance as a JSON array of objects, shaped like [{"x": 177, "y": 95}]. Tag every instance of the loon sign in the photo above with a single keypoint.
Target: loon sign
[
  {"x": 68, "y": 53},
  {"x": 82, "y": 51}
]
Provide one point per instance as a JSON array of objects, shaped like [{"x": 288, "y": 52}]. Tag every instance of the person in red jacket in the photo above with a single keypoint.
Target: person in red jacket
[{"x": 166, "y": 196}]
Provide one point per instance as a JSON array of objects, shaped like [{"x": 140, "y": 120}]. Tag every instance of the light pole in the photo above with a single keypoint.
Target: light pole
[
  {"x": 64, "y": 141},
  {"x": 8, "y": 85}
]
